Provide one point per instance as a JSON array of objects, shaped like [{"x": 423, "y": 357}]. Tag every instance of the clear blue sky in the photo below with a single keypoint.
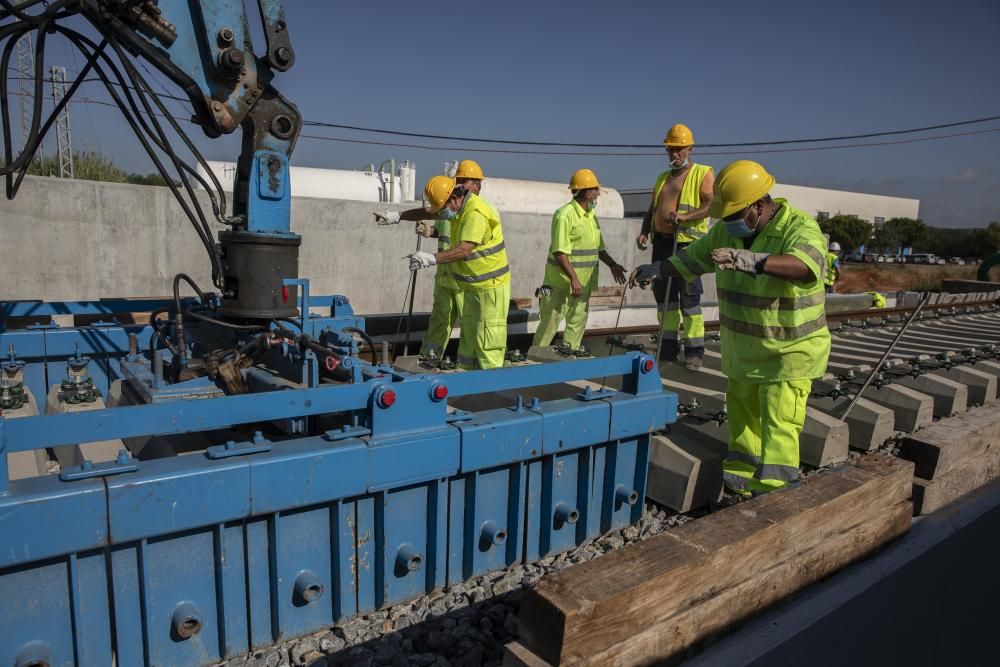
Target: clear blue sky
[{"x": 622, "y": 72}]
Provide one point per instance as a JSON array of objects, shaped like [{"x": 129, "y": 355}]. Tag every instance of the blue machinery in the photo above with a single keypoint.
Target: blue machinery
[{"x": 263, "y": 480}]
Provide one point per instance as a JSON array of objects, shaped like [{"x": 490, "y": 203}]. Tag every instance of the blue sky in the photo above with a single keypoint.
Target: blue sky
[{"x": 623, "y": 72}]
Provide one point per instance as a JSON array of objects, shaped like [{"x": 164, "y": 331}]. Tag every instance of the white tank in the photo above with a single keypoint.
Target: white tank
[
  {"x": 508, "y": 194},
  {"x": 323, "y": 183}
]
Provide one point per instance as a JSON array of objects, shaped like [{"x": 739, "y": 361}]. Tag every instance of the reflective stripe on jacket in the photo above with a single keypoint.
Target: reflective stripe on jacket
[
  {"x": 690, "y": 200},
  {"x": 772, "y": 329}
]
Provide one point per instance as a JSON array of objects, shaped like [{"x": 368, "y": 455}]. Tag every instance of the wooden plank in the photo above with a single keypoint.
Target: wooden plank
[
  {"x": 516, "y": 654},
  {"x": 932, "y": 495},
  {"x": 585, "y": 610},
  {"x": 951, "y": 442}
]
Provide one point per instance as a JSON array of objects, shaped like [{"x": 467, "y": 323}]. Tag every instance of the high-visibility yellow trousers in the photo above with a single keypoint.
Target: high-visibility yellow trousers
[
  {"x": 555, "y": 308},
  {"x": 483, "y": 342},
  {"x": 446, "y": 309},
  {"x": 765, "y": 421}
]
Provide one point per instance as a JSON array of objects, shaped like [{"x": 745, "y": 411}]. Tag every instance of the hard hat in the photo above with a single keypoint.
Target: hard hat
[
  {"x": 469, "y": 169},
  {"x": 834, "y": 247},
  {"x": 583, "y": 179},
  {"x": 679, "y": 135},
  {"x": 738, "y": 185},
  {"x": 437, "y": 191}
]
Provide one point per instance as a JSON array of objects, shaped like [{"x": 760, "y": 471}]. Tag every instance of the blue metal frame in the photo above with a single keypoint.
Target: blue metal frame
[{"x": 354, "y": 503}]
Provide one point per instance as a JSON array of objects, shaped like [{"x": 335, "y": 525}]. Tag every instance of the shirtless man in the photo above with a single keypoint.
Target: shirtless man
[{"x": 678, "y": 215}]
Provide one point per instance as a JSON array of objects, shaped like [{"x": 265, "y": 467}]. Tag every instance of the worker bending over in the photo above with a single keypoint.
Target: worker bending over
[
  {"x": 480, "y": 270},
  {"x": 447, "y": 306},
  {"x": 768, "y": 259},
  {"x": 678, "y": 215},
  {"x": 571, "y": 269}
]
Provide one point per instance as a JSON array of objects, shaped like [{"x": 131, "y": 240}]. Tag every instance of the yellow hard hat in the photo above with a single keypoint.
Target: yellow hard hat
[
  {"x": 679, "y": 135},
  {"x": 469, "y": 169},
  {"x": 583, "y": 179},
  {"x": 437, "y": 191},
  {"x": 738, "y": 185}
]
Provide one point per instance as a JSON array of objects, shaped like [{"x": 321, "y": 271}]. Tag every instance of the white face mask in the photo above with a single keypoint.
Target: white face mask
[{"x": 678, "y": 165}]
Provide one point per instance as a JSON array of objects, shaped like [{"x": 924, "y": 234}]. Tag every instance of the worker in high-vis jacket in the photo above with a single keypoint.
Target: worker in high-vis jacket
[
  {"x": 768, "y": 258},
  {"x": 479, "y": 267},
  {"x": 677, "y": 216},
  {"x": 832, "y": 274},
  {"x": 447, "y": 307},
  {"x": 572, "y": 265}
]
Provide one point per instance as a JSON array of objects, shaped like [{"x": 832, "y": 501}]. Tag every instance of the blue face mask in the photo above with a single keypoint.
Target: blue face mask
[
  {"x": 738, "y": 228},
  {"x": 447, "y": 214},
  {"x": 592, "y": 205}
]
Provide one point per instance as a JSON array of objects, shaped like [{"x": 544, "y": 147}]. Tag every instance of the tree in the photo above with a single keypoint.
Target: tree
[
  {"x": 90, "y": 166},
  {"x": 850, "y": 231},
  {"x": 907, "y": 232}
]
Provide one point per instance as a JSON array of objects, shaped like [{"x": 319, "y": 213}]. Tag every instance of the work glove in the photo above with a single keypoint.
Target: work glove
[
  {"x": 644, "y": 275},
  {"x": 386, "y": 217},
  {"x": 421, "y": 260},
  {"x": 424, "y": 229},
  {"x": 732, "y": 259}
]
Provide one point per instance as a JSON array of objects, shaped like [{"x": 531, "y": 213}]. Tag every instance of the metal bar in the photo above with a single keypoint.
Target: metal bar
[
  {"x": 885, "y": 355},
  {"x": 413, "y": 293},
  {"x": 480, "y": 382}
]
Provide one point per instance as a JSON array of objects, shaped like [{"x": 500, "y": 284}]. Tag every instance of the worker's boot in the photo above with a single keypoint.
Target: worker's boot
[{"x": 692, "y": 362}]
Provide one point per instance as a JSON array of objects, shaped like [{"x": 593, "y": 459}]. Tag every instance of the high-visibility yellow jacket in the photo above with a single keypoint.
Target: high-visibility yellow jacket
[
  {"x": 442, "y": 276},
  {"x": 485, "y": 267},
  {"x": 689, "y": 201},
  {"x": 832, "y": 268},
  {"x": 772, "y": 329},
  {"x": 577, "y": 234}
]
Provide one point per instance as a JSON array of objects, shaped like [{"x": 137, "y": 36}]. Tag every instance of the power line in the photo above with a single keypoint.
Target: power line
[{"x": 520, "y": 142}]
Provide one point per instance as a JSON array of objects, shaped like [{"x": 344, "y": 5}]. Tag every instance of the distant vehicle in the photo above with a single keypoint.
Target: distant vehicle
[
  {"x": 880, "y": 258},
  {"x": 890, "y": 259},
  {"x": 939, "y": 261},
  {"x": 923, "y": 258},
  {"x": 956, "y": 260},
  {"x": 870, "y": 258}
]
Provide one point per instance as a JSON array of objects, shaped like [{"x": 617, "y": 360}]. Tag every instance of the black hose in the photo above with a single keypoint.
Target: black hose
[
  {"x": 368, "y": 339},
  {"x": 179, "y": 324},
  {"x": 228, "y": 325}
]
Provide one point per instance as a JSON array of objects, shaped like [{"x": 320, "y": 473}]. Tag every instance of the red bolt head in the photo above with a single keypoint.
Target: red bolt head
[
  {"x": 647, "y": 365},
  {"x": 387, "y": 398},
  {"x": 439, "y": 392},
  {"x": 284, "y": 293}
]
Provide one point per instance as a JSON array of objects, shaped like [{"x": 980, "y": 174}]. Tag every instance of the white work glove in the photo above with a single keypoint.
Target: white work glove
[
  {"x": 424, "y": 229},
  {"x": 732, "y": 259},
  {"x": 386, "y": 217},
  {"x": 421, "y": 260},
  {"x": 644, "y": 275}
]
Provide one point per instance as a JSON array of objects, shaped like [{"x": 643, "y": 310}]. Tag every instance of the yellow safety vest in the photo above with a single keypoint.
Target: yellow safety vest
[
  {"x": 577, "y": 234},
  {"x": 443, "y": 276},
  {"x": 485, "y": 267},
  {"x": 773, "y": 330},
  {"x": 690, "y": 200},
  {"x": 832, "y": 272}
]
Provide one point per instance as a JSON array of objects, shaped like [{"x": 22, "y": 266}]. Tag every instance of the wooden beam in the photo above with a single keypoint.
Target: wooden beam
[
  {"x": 931, "y": 495},
  {"x": 948, "y": 444},
  {"x": 646, "y": 602}
]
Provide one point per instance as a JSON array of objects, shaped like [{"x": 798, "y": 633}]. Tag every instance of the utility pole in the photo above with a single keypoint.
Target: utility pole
[
  {"x": 64, "y": 136},
  {"x": 25, "y": 85}
]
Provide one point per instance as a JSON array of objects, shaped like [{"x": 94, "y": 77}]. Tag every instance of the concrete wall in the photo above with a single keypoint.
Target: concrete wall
[{"x": 75, "y": 240}]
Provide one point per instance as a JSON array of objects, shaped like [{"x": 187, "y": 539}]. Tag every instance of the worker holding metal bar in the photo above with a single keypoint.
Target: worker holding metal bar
[
  {"x": 480, "y": 270},
  {"x": 572, "y": 266},
  {"x": 768, "y": 259},
  {"x": 447, "y": 308},
  {"x": 677, "y": 216}
]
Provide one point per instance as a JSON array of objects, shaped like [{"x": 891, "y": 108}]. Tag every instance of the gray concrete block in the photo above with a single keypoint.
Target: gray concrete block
[
  {"x": 950, "y": 397},
  {"x": 683, "y": 473},
  {"x": 982, "y": 386},
  {"x": 74, "y": 455},
  {"x": 869, "y": 423},
  {"x": 21, "y": 465},
  {"x": 913, "y": 410},
  {"x": 824, "y": 440}
]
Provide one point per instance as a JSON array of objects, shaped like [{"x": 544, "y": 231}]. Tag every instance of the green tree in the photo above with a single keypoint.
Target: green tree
[
  {"x": 850, "y": 231},
  {"x": 87, "y": 166},
  {"x": 908, "y": 233}
]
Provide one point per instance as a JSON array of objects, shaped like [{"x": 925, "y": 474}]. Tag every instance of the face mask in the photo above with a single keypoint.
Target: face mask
[
  {"x": 592, "y": 205},
  {"x": 447, "y": 214},
  {"x": 678, "y": 167},
  {"x": 738, "y": 228}
]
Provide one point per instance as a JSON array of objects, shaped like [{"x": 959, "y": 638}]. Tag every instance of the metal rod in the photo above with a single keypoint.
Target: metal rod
[
  {"x": 885, "y": 355},
  {"x": 413, "y": 293}
]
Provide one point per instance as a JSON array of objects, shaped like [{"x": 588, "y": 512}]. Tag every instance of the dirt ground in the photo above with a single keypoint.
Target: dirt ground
[{"x": 893, "y": 277}]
